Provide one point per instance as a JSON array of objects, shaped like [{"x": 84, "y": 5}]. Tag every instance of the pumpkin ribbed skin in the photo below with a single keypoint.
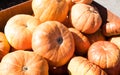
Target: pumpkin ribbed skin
[
  {"x": 112, "y": 26},
  {"x": 50, "y": 9},
  {"x": 111, "y": 22},
  {"x": 19, "y": 29},
  {"x": 85, "y": 18},
  {"x": 104, "y": 53},
  {"x": 4, "y": 45},
  {"x": 23, "y": 63},
  {"x": 53, "y": 41},
  {"x": 81, "y": 66},
  {"x": 81, "y": 42}
]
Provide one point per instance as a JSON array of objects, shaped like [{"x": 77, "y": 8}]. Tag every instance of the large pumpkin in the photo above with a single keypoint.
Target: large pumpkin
[
  {"x": 50, "y": 9},
  {"x": 53, "y": 41},
  {"x": 81, "y": 42},
  {"x": 23, "y": 63},
  {"x": 81, "y": 66},
  {"x": 19, "y": 29},
  {"x": 85, "y": 18},
  {"x": 4, "y": 45},
  {"x": 105, "y": 54}
]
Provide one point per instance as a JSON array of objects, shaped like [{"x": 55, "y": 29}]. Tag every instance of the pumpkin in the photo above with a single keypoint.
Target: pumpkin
[
  {"x": 111, "y": 22},
  {"x": 85, "y": 18},
  {"x": 81, "y": 66},
  {"x": 23, "y": 63},
  {"x": 112, "y": 26},
  {"x": 81, "y": 42},
  {"x": 97, "y": 36},
  {"x": 4, "y": 45},
  {"x": 53, "y": 41},
  {"x": 83, "y": 1},
  {"x": 19, "y": 29},
  {"x": 104, "y": 53},
  {"x": 46, "y": 10}
]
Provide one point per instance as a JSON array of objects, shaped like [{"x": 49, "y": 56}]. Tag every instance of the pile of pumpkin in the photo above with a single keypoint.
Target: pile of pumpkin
[{"x": 63, "y": 37}]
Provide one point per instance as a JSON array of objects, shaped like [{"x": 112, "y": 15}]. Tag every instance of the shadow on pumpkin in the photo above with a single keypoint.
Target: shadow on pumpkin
[{"x": 102, "y": 11}]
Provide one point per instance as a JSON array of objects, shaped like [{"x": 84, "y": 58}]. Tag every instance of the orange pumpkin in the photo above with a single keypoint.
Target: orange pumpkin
[
  {"x": 85, "y": 18},
  {"x": 81, "y": 66},
  {"x": 53, "y": 41},
  {"x": 112, "y": 26},
  {"x": 19, "y": 29},
  {"x": 105, "y": 54},
  {"x": 46, "y": 10},
  {"x": 83, "y": 1},
  {"x": 4, "y": 45},
  {"x": 23, "y": 63},
  {"x": 81, "y": 42},
  {"x": 111, "y": 22}
]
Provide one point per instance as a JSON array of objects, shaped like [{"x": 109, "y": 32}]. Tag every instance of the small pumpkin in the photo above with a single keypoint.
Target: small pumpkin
[
  {"x": 81, "y": 42},
  {"x": 4, "y": 45},
  {"x": 18, "y": 31},
  {"x": 112, "y": 26},
  {"x": 45, "y": 10},
  {"x": 85, "y": 18},
  {"x": 111, "y": 22},
  {"x": 83, "y": 1},
  {"x": 82, "y": 66},
  {"x": 53, "y": 41},
  {"x": 23, "y": 63},
  {"x": 104, "y": 53}
]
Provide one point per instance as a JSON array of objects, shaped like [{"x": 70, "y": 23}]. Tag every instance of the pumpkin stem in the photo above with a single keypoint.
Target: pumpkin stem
[
  {"x": 25, "y": 68},
  {"x": 60, "y": 40}
]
